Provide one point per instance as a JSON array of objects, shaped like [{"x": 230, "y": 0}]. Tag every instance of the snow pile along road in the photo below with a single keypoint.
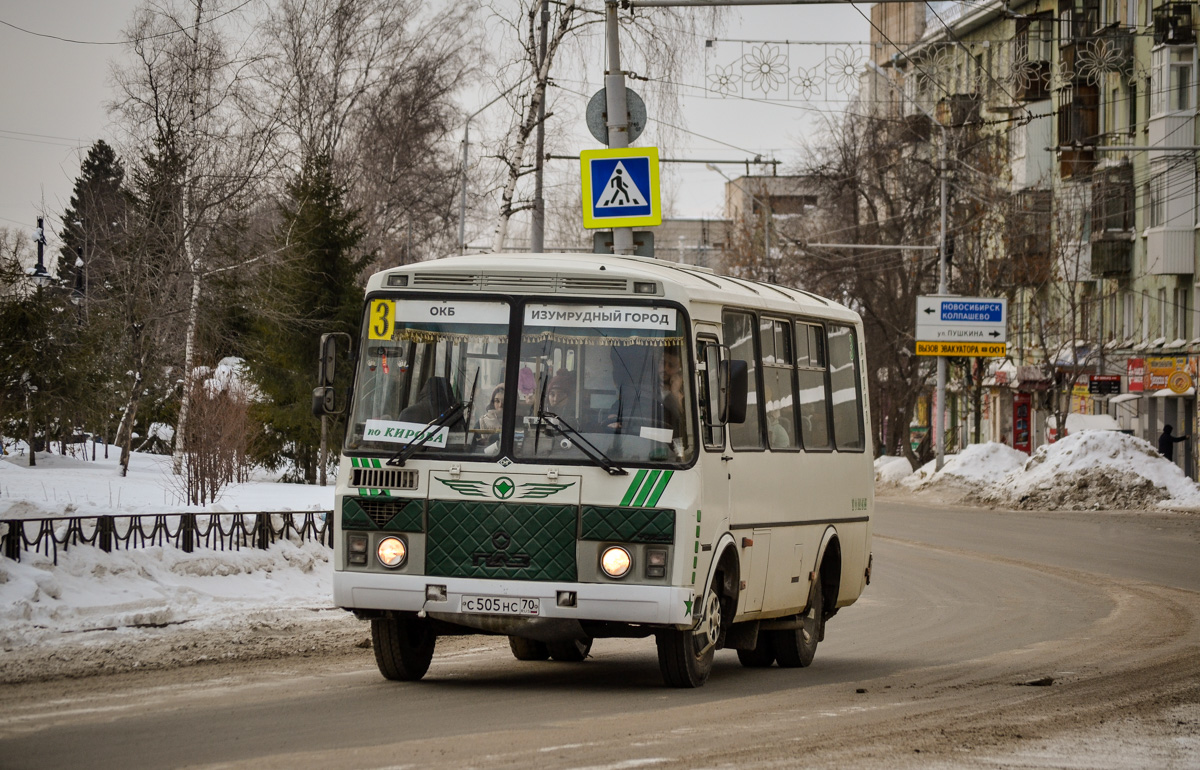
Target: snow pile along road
[
  {"x": 1088, "y": 470},
  {"x": 157, "y": 607}
]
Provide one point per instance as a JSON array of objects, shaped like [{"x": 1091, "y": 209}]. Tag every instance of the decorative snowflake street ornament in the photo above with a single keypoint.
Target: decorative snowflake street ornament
[
  {"x": 724, "y": 81},
  {"x": 807, "y": 83},
  {"x": 765, "y": 68},
  {"x": 843, "y": 69}
]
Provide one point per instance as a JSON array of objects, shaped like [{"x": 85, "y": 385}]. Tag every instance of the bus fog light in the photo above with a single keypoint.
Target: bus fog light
[
  {"x": 656, "y": 563},
  {"x": 391, "y": 552},
  {"x": 615, "y": 561},
  {"x": 356, "y": 545}
]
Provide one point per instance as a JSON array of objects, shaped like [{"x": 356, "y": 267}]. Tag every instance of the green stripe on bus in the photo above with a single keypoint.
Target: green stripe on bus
[
  {"x": 353, "y": 462},
  {"x": 645, "y": 490},
  {"x": 658, "y": 490},
  {"x": 633, "y": 487},
  {"x": 375, "y": 462}
]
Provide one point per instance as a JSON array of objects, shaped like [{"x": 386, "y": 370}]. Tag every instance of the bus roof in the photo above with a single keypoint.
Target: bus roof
[{"x": 594, "y": 275}]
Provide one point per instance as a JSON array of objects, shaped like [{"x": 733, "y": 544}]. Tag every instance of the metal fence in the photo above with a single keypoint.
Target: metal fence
[{"x": 186, "y": 531}]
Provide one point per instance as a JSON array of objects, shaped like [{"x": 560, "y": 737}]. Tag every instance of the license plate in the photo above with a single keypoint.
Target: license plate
[{"x": 501, "y": 605}]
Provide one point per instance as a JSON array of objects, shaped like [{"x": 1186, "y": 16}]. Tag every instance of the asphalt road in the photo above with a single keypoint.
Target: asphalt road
[{"x": 931, "y": 668}]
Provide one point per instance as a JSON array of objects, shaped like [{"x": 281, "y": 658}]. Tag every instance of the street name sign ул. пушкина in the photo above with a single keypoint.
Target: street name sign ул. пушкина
[{"x": 962, "y": 326}]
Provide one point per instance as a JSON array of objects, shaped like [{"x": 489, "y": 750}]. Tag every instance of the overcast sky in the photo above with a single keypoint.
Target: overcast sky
[{"x": 54, "y": 95}]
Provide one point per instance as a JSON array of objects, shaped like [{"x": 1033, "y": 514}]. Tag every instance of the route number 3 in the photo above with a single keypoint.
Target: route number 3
[{"x": 383, "y": 319}]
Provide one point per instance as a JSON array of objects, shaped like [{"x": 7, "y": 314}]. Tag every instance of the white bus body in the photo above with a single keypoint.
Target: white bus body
[{"x": 579, "y": 488}]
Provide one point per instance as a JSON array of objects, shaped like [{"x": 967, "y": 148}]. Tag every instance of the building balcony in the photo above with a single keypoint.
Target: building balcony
[
  {"x": 1112, "y": 257},
  {"x": 1170, "y": 251},
  {"x": 1173, "y": 24}
]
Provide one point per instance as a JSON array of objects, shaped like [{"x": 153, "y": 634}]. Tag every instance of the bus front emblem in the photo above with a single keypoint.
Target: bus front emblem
[{"x": 501, "y": 540}]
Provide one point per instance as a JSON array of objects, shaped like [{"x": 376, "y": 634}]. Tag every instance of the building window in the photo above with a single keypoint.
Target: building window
[
  {"x": 1173, "y": 79},
  {"x": 1162, "y": 312},
  {"x": 1181, "y": 314},
  {"x": 1127, "y": 328}
]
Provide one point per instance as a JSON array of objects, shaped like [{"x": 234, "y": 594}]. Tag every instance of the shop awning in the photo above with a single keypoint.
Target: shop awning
[{"x": 1124, "y": 397}]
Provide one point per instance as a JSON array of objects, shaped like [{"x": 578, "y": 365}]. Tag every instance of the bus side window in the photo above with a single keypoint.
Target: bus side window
[
  {"x": 709, "y": 356},
  {"x": 775, "y": 340},
  {"x": 844, "y": 377},
  {"x": 810, "y": 376},
  {"x": 740, "y": 337}
]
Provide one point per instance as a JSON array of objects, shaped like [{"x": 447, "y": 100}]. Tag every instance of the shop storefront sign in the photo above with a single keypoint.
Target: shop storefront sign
[
  {"x": 1136, "y": 369},
  {"x": 1160, "y": 369},
  {"x": 1104, "y": 384}
]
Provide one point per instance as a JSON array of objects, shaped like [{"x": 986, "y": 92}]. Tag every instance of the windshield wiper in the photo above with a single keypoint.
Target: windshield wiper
[
  {"x": 442, "y": 420},
  {"x": 585, "y": 446}
]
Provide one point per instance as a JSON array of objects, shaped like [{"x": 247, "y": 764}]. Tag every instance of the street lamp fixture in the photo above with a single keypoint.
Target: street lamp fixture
[{"x": 40, "y": 275}]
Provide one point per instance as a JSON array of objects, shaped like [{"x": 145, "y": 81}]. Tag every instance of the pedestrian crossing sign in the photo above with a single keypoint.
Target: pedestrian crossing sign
[{"x": 620, "y": 187}]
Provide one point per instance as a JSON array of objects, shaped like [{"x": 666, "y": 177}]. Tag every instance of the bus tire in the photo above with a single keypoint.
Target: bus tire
[
  {"x": 796, "y": 649},
  {"x": 685, "y": 658},
  {"x": 403, "y": 646},
  {"x": 528, "y": 649},
  {"x": 763, "y": 654},
  {"x": 570, "y": 651}
]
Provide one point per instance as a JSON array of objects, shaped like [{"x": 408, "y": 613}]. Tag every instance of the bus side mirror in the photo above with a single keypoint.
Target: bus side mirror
[
  {"x": 324, "y": 400},
  {"x": 327, "y": 358},
  {"x": 733, "y": 384}
]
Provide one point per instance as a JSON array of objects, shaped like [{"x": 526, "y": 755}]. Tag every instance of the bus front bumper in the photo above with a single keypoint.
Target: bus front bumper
[{"x": 658, "y": 605}]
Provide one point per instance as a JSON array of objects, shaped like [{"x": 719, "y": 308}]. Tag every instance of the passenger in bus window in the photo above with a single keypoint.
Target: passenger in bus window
[
  {"x": 560, "y": 394},
  {"x": 491, "y": 419}
]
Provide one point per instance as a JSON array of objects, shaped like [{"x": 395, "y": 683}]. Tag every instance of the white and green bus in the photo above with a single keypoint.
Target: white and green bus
[{"x": 560, "y": 447}]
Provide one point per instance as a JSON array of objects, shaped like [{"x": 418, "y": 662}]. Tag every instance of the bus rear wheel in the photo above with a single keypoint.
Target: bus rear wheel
[
  {"x": 570, "y": 651},
  {"x": 685, "y": 658},
  {"x": 796, "y": 649},
  {"x": 763, "y": 654},
  {"x": 403, "y": 646},
  {"x": 528, "y": 649}
]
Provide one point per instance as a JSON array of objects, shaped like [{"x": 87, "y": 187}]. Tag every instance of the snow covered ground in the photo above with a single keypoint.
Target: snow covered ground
[
  {"x": 1089, "y": 470},
  {"x": 154, "y": 606}
]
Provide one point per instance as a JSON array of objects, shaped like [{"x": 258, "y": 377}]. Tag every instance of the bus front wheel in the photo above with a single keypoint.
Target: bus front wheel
[
  {"x": 528, "y": 649},
  {"x": 570, "y": 651},
  {"x": 685, "y": 658},
  {"x": 403, "y": 646},
  {"x": 796, "y": 649}
]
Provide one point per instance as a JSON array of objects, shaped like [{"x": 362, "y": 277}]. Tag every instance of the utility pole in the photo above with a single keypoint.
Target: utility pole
[
  {"x": 618, "y": 115},
  {"x": 538, "y": 234}
]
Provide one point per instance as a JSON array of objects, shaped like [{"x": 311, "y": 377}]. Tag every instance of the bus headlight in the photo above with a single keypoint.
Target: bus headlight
[
  {"x": 615, "y": 561},
  {"x": 391, "y": 552}
]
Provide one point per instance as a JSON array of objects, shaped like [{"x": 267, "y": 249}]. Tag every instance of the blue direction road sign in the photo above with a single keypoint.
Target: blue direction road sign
[
  {"x": 620, "y": 187},
  {"x": 962, "y": 319}
]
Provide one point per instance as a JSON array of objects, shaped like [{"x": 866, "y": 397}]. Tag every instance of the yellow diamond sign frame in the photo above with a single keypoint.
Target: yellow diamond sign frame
[{"x": 620, "y": 187}]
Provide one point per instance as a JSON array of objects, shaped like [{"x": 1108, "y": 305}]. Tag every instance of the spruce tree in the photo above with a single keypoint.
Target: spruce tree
[{"x": 313, "y": 289}]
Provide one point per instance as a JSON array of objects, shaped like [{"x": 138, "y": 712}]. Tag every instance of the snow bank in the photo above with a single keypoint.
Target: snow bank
[
  {"x": 90, "y": 590},
  {"x": 1086, "y": 470},
  {"x": 985, "y": 464},
  {"x": 890, "y": 470}
]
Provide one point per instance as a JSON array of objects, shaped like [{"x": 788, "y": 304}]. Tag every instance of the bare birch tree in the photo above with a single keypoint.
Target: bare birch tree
[{"x": 185, "y": 93}]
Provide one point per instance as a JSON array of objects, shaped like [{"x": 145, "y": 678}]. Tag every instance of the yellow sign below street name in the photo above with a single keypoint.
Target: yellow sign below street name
[{"x": 980, "y": 349}]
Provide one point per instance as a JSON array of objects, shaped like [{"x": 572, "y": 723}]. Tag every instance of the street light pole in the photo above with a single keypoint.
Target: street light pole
[
  {"x": 618, "y": 110},
  {"x": 462, "y": 204},
  {"x": 939, "y": 416},
  {"x": 538, "y": 227}
]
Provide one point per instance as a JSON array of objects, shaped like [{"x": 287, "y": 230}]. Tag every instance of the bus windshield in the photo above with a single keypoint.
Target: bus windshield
[
  {"x": 613, "y": 373},
  {"x": 420, "y": 358},
  {"x": 586, "y": 378}
]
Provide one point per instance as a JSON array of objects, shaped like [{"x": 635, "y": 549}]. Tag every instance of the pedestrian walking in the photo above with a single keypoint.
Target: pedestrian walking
[{"x": 1166, "y": 443}]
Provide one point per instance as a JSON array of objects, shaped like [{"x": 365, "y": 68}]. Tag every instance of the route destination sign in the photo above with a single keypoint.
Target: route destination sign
[{"x": 962, "y": 326}]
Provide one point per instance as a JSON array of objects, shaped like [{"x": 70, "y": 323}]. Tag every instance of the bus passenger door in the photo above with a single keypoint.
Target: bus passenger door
[{"x": 714, "y": 456}]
